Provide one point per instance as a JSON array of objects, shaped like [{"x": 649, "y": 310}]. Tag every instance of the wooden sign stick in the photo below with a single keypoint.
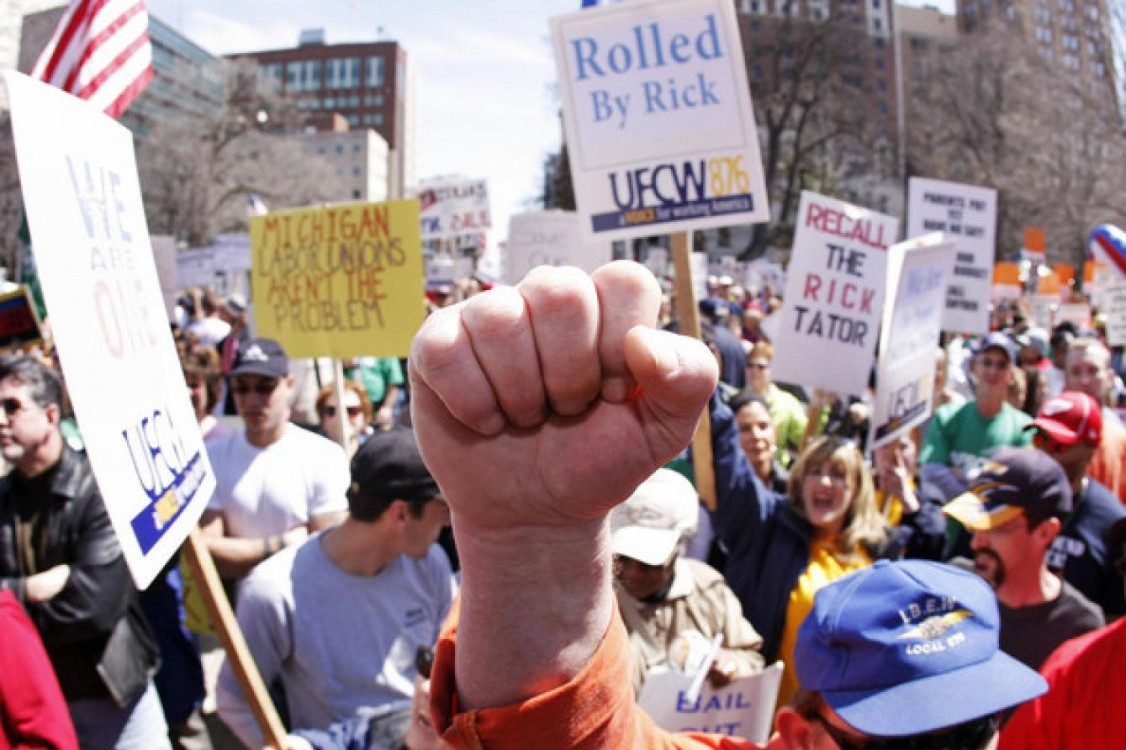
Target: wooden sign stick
[
  {"x": 226, "y": 626},
  {"x": 689, "y": 317}
]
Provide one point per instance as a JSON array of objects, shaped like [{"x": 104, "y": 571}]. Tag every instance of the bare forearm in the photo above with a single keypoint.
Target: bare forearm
[
  {"x": 535, "y": 604},
  {"x": 235, "y": 557}
]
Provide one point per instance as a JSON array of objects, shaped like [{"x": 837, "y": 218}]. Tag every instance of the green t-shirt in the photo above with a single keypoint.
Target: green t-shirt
[{"x": 959, "y": 436}]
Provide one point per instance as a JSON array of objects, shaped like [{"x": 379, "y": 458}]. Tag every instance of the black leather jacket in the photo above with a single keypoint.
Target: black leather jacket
[{"x": 95, "y": 633}]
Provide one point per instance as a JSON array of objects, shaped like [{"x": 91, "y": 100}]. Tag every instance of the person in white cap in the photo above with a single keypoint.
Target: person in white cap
[{"x": 674, "y": 606}]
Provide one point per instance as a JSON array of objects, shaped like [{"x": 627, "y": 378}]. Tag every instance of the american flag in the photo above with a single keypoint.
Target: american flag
[{"x": 100, "y": 52}]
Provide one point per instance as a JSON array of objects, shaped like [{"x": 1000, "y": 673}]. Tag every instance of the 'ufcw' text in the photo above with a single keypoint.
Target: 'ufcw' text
[{"x": 325, "y": 268}]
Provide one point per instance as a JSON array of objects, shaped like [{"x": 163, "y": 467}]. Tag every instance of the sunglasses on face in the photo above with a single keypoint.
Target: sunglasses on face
[
  {"x": 1048, "y": 444},
  {"x": 11, "y": 406},
  {"x": 992, "y": 363},
  {"x": 262, "y": 389},
  {"x": 973, "y": 734},
  {"x": 352, "y": 411}
]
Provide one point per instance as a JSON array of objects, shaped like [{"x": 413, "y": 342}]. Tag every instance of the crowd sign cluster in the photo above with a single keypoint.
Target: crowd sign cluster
[
  {"x": 968, "y": 215},
  {"x": 452, "y": 208},
  {"x": 659, "y": 124},
  {"x": 834, "y": 295},
  {"x": 917, "y": 276},
  {"x": 95, "y": 263},
  {"x": 550, "y": 238},
  {"x": 339, "y": 281}
]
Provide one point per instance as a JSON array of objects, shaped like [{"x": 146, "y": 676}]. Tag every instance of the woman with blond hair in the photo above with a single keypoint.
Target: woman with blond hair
[{"x": 782, "y": 548}]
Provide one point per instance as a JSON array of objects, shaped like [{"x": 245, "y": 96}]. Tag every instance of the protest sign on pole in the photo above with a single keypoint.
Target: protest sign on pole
[
  {"x": 917, "y": 275},
  {"x": 657, "y": 112},
  {"x": 19, "y": 321},
  {"x": 95, "y": 262},
  {"x": 744, "y": 708},
  {"x": 550, "y": 238},
  {"x": 339, "y": 281},
  {"x": 449, "y": 208},
  {"x": 834, "y": 295},
  {"x": 968, "y": 215},
  {"x": 1114, "y": 305}
]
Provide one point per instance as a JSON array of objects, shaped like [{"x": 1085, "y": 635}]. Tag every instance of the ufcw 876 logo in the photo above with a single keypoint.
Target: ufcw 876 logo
[{"x": 677, "y": 184}]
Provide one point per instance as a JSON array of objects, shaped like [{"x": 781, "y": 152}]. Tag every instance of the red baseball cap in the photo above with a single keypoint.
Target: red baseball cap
[{"x": 1071, "y": 417}]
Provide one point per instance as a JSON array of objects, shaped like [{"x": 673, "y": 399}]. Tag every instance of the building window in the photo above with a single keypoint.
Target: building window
[
  {"x": 342, "y": 73},
  {"x": 353, "y": 120},
  {"x": 356, "y": 194},
  {"x": 373, "y": 74}
]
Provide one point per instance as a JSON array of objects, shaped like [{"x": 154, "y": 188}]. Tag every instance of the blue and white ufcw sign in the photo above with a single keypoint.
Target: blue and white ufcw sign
[{"x": 657, "y": 110}]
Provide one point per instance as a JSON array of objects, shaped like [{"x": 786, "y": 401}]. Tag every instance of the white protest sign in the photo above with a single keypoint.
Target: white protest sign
[
  {"x": 917, "y": 277},
  {"x": 1114, "y": 305},
  {"x": 1078, "y": 313},
  {"x": 968, "y": 215},
  {"x": 744, "y": 708},
  {"x": 550, "y": 238},
  {"x": 99, "y": 281},
  {"x": 834, "y": 295},
  {"x": 451, "y": 208},
  {"x": 658, "y": 118}
]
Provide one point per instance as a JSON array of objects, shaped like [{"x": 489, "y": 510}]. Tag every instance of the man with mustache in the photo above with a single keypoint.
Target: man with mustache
[{"x": 1015, "y": 509}]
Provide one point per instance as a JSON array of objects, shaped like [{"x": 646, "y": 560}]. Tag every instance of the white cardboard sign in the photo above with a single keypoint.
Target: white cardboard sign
[
  {"x": 95, "y": 263},
  {"x": 917, "y": 277},
  {"x": 452, "y": 208},
  {"x": 658, "y": 118},
  {"x": 550, "y": 238},
  {"x": 966, "y": 214},
  {"x": 834, "y": 296},
  {"x": 1114, "y": 305},
  {"x": 744, "y": 708}
]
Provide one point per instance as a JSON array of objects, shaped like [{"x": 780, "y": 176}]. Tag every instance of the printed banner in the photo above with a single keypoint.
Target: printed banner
[
  {"x": 452, "y": 208},
  {"x": 744, "y": 708},
  {"x": 659, "y": 124},
  {"x": 835, "y": 289},
  {"x": 339, "y": 281},
  {"x": 550, "y": 238},
  {"x": 917, "y": 277},
  {"x": 95, "y": 261},
  {"x": 968, "y": 215}
]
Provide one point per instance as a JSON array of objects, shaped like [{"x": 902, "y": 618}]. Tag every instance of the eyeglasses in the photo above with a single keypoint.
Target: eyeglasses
[
  {"x": 263, "y": 388},
  {"x": 993, "y": 363},
  {"x": 11, "y": 406},
  {"x": 757, "y": 365},
  {"x": 353, "y": 411},
  {"x": 1048, "y": 444},
  {"x": 972, "y": 734}
]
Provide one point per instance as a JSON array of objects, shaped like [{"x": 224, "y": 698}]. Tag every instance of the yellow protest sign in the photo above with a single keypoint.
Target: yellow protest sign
[{"x": 339, "y": 281}]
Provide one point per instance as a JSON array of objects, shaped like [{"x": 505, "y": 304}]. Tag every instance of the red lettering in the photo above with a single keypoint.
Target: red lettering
[
  {"x": 848, "y": 297},
  {"x": 866, "y": 300},
  {"x": 812, "y": 286},
  {"x": 814, "y": 216}
]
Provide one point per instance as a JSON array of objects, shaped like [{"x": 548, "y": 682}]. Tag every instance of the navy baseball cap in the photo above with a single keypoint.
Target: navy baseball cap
[
  {"x": 1010, "y": 482},
  {"x": 909, "y": 647},
  {"x": 264, "y": 357}
]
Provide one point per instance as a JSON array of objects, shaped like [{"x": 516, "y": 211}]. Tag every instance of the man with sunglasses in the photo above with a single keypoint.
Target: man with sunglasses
[
  {"x": 60, "y": 557},
  {"x": 275, "y": 482},
  {"x": 540, "y": 408},
  {"x": 1069, "y": 428},
  {"x": 1015, "y": 510}
]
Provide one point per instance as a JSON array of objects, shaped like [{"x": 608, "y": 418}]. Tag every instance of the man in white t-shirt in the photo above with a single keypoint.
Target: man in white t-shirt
[{"x": 275, "y": 482}]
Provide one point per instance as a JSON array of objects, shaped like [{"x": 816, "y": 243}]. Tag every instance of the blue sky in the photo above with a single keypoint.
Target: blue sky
[
  {"x": 486, "y": 106},
  {"x": 486, "y": 103}
]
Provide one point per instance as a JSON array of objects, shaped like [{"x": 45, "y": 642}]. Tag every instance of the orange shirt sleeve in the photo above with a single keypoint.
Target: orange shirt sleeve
[{"x": 593, "y": 711}]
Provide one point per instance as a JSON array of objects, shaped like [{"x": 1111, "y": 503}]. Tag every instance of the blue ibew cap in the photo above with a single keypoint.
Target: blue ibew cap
[{"x": 908, "y": 647}]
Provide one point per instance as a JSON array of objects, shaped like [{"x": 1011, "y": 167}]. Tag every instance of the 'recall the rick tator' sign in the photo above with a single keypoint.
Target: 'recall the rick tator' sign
[
  {"x": 104, "y": 303},
  {"x": 659, "y": 124},
  {"x": 834, "y": 295},
  {"x": 339, "y": 281}
]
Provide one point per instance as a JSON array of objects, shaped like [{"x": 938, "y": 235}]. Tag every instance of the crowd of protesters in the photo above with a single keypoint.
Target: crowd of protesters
[{"x": 331, "y": 532}]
